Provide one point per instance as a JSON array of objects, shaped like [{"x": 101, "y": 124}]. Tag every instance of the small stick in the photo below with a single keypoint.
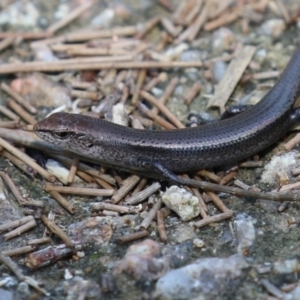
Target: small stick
[
  {"x": 224, "y": 19},
  {"x": 143, "y": 120},
  {"x": 167, "y": 4},
  {"x": 284, "y": 12},
  {"x": 68, "y": 65},
  {"x": 125, "y": 94},
  {"x": 63, "y": 202},
  {"x": 199, "y": 22},
  {"x": 252, "y": 164},
  {"x": 283, "y": 206},
  {"x": 132, "y": 237},
  {"x": 196, "y": 88},
  {"x": 18, "y": 98},
  {"x": 26, "y": 159},
  {"x": 140, "y": 82},
  {"x": 292, "y": 143},
  {"x": 245, "y": 25},
  {"x": 127, "y": 186},
  {"x": 116, "y": 177},
  {"x": 181, "y": 8},
  {"x": 233, "y": 74},
  {"x": 83, "y": 51},
  {"x": 154, "y": 81},
  {"x": 151, "y": 201},
  {"x": 77, "y": 84},
  {"x": 245, "y": 186},
  {"x": 170, "y": 28},
  {"x": 110, "y": 213},
  {"x": 8, "y": 113},
  {"x": 164, "y": 40},
  {"x": 86, "y": 185},
  {"x": 239, "y": 192},
  {"x": 222, "y": 6},
  {"x": 168, "y": 92},
  {"x": 87, "y": 169},
  {"x": 191, "y": 32},
  {"x": 39, "y": 241},
  {"x": 140, "y": 186},
  {"x": 209, "y": 175},
  {"x": 103, "y": 183},
  {"x": 288, "y": 287},
  {"x": 295, "y": 15},
  {"x": 227, "y": 178},
  {"x": 82, "y": 36},
  {"x": 162, "y": 122},
  {"x": 291, "y": 186},
  {"x": 19, "y": 230},
  {"x": 91, "y": 60},
  {"x": 203, "y": 207},
  {"x": 70, "y": 17},
  {"x": 183, "y": 12},
  {"x": 14, "y": 224},
  {"x": 25, "y": 35},
  {"x": 78, "y": 191},
  {"x": 151, "y": 214},
  {"x": 193, "y": 12},
  {"x": 73, "y": 170},
  {"x": 147, "y": 27},
  {"x": 162, "y": 108},
  {"x": 27, "y": 127},
  {"x": 144, "y": 194},
  {"x": 87, "y": 178},
  {"x": 21, "y": 112},
  {"x": 17, "y": 251},
  {"x": 260, "y": 6},
  {"x": 161, "y": 228},
  {"x": 117, "y": 208},
  {"x": 217, "y": 201},
  {"x": 56, "y": 230},
  {"x": 46, "y": 256},
  {"x": 67, "y": 162},
  {"x": 19, "y": 163},
  {"x": 13, "y": 267},
  {"x": 10, "y": 124},
  {"x": 266, "y": 75},
  {"x": 126, "y": 43},
  {"x": 6, "y": 42},
  {"x": 86, "y": 35},
  {"x": 214, "y": 219},
  {"x": 16, "y": 192},
  {"x": 85, "y": 94}
]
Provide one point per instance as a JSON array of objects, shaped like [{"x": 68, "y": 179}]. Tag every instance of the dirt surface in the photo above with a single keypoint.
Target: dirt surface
[{"x": 101, "y": 264}]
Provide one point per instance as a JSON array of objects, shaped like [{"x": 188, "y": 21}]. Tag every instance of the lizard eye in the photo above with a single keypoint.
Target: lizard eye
[{"x": 61, "y": 135}]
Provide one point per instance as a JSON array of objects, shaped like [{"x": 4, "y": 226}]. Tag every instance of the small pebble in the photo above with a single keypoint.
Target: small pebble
[
  {"x": 67, "y": 274},
  {"x": 198, "y": 243},
  {"x": 185, "y": 204},
  {"x": 273, "y": 27},
  {"x": 223, "y": 39}
]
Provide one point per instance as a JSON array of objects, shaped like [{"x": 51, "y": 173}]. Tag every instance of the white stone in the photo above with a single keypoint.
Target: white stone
[
  {"x": 273, "y": 27},
  {"x": 185, "y": 204}
]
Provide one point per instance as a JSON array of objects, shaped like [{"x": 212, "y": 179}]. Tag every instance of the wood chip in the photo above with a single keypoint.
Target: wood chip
[{"x": 231, "y": 78}]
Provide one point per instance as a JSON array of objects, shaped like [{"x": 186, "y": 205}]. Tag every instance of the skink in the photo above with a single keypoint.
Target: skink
[{"x": 163, "y": 152}]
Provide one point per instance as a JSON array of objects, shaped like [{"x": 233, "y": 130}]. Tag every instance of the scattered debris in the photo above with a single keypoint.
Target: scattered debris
[{"x": 122, "y": 73}]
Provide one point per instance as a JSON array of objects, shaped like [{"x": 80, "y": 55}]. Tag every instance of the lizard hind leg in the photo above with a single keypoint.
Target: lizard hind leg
[{"x": 160, "y": 170}]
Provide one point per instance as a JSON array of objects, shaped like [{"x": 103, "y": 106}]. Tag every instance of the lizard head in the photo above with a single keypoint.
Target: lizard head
[{"x": 64, "y": 129}]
